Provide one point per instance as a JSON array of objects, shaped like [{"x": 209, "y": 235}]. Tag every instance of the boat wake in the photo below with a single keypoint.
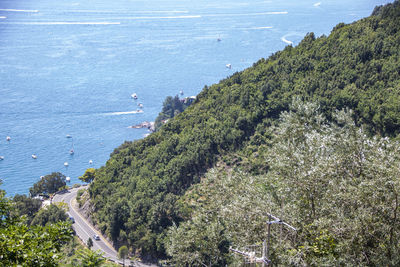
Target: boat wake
[
  {"x": 19, "y": 10},
  {"x": 66, "y": 23},
  {"x": 248, "y": 14},
  {"x": 294, "y": 35},
  {"x": 161, "y": 17},
  {"x": 261, "y": 28},
  {"x": 123, "y": 113},
  {"x": 283, "y": 38},
  {"x": 129, "y": 12}
]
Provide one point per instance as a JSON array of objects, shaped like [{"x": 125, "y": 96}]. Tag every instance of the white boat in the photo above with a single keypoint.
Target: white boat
[
  {"x": 90, "y": 161},
  {"x": 8, "y": 138},
  {"x": 68, "y": 179},
  {"x": 66, "y": 164},
  {"x": 134, "y": 96},
  {"x": 34, "y": 156},
  {"x": 181, "y": 92},
  {"x": 229, "y": 66},
  {"x": 1, "y": 157},
  {"x": 68, "y": 136},
  {"x": 140, "y": 105}
]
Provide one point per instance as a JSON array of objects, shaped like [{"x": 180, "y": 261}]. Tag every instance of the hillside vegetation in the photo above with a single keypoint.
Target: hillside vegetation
[
  {"x": 337, "y": 186},
  {"x": 143, "y": 196}
]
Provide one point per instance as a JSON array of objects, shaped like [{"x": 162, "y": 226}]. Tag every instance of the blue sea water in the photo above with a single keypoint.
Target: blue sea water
[{"x": 70, "y": 66}]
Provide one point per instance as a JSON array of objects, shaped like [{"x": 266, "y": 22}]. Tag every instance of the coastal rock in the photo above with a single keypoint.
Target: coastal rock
[{"x": 145, "y": 124}]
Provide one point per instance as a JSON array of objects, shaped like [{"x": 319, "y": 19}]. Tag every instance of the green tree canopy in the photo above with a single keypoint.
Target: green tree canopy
[
  {"x": 172, "y": 106},
  {"x": 123, "y": 253},
  {"x": 89, "y": 243},
  {"x": 50, "y": 214},
  {"x": 24, "y": 205},
  {"x": 88, "y": 176},
  {"x": 90, "y": 258},
  {"x": 49, "y": 184}
]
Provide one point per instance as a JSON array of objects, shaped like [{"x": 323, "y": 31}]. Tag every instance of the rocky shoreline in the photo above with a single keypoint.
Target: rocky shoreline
[{"x": 145, "y": 124}]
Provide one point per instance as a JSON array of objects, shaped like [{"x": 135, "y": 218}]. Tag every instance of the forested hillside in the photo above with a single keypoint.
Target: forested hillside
[{"x": 143, "y": 189}]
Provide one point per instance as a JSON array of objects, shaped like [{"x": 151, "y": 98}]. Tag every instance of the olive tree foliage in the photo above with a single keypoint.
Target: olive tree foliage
[
  {"x": 337, "y": 186},
  {"x": 334, "y": 184},
  {"x": 216, "y": 221},
  {"x": 199, "y": 242}
]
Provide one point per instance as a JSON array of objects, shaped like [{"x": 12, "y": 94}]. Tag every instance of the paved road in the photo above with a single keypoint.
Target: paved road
[{"x": 85, "y": 230}]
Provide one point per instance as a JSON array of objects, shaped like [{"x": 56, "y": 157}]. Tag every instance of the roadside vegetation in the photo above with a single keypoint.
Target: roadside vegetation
[
  {"x": 33, "y": 234},
  {"x": 25, "y": 242}
]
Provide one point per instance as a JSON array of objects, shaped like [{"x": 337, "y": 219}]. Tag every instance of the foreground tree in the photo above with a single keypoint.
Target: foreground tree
[
  {"x": 339, "y": 186},
  {"x": 49, "y": 184},
  {"x": 90, "y": 258},
  {"x": 334, "y": 184},
  {"x": 23, "y": 245}
]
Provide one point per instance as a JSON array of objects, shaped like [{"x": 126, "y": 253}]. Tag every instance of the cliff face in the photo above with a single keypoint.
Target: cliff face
[{"x": 137, "y": 195}]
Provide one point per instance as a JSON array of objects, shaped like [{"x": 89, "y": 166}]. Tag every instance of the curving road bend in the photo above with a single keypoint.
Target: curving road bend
[{"x": 85, "y": 230}]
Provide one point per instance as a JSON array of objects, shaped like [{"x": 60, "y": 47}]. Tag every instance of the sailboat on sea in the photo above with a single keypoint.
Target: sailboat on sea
[{"x": 72, "y": 151}]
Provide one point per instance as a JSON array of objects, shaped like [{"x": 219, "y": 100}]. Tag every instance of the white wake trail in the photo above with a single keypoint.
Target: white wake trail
[
  {"x": 19, "y": 10},
  {"x": 66, "y": 23}
]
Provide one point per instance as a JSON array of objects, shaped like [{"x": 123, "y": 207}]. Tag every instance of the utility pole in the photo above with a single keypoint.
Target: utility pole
[{"x": 264, "y": 260}]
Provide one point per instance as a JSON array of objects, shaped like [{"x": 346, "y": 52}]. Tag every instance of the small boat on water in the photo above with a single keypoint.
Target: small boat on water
[
  {"x": 34, "y": 156},
  {"x": 72, "y": 151},
  {"x": 229, "y": 66},
  {"x": 90, "y": 161},
  {"x": 134, "y": 96},
  {"x": 181, "y": 92},
  {"x": 66, "y": 164},
  {"x": 8, "y": 138},
  {"x": 140, "y": 105},
  {"x": 68, "y": 179},
  {"x": 1, "y": 157},
  {"x": 68, "y": 136}
]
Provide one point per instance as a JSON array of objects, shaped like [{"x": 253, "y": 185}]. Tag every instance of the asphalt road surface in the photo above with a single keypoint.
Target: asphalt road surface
[{"x": 85, "y": 230}]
